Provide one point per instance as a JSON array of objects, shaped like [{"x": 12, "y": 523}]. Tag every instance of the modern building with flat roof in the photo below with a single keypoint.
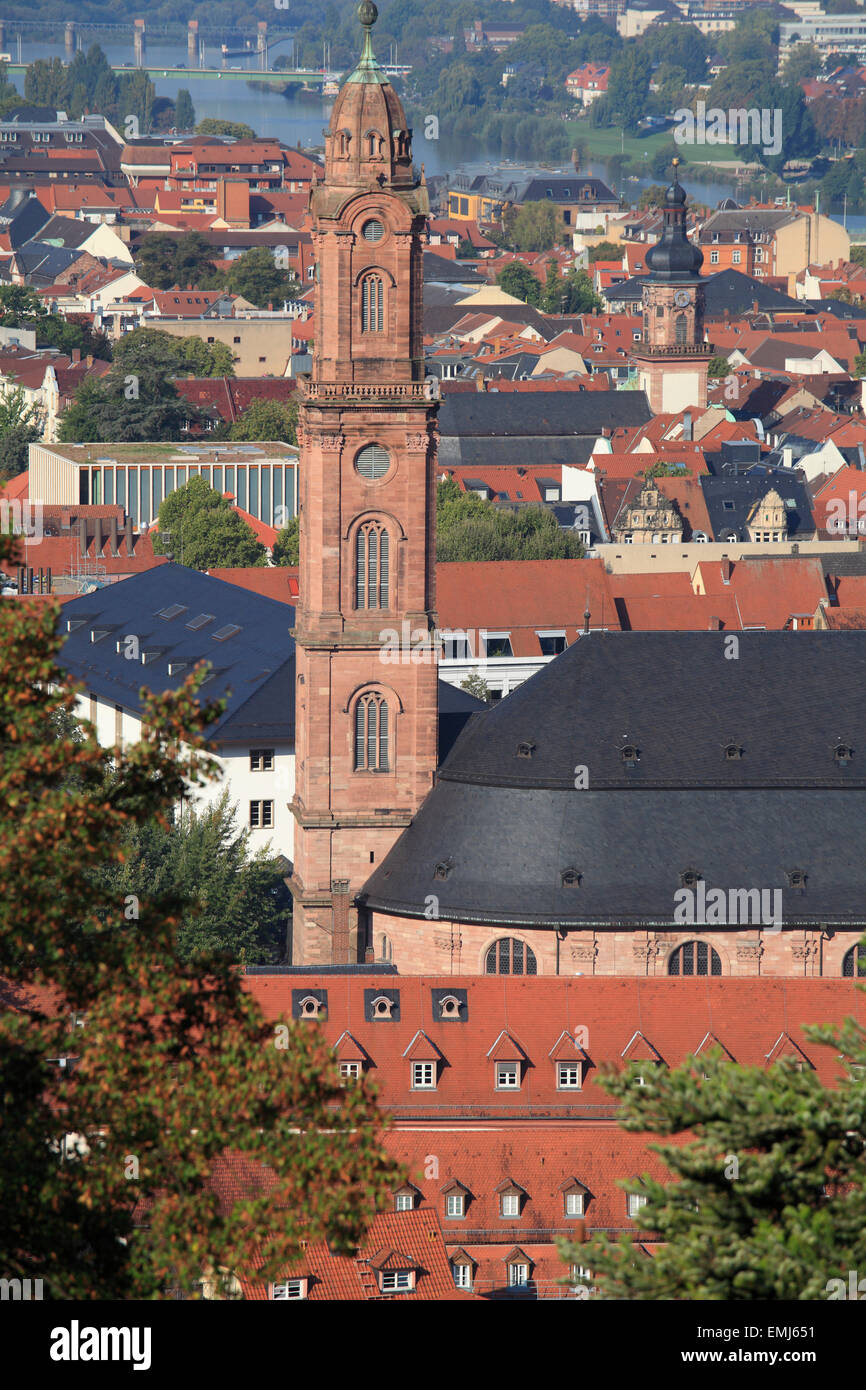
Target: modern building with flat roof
[{"x": 262, "y": 477}]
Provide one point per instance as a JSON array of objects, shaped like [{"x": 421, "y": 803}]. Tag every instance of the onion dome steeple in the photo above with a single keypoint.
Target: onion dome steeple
[{"x": 674, "y": 258}]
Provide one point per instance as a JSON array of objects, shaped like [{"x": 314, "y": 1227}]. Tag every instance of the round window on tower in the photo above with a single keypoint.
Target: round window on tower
[
  {"x": 372, "y": 230},
  {"x": 373, "y": 462}
]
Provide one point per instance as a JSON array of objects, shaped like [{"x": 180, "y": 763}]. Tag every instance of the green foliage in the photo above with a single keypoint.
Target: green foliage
[
  {"x": 860, "y": 365},
  {"x": 718, "y": 365},
  {"x": 804, "y": 62},
  {"x": 150, "y": 351},
  {"x": 286, "y": 548},
  {"x": 628, "y": 87},
  {"x": 20, "y": 426},
  {"x": 471, "y": 528},
  {"x": 88, "y": 84},
  {"x": 666, "y": 470},
  {"x": 233, "y": 902},
  {"x": 476, "y": 685},
  {"x": 767, "y": 1198},
  {"x": 112, "y": 409},
  {"x": 21, "y": 307},
  {"x": 163, "y": 260},
  {"x": 571, "y": 293},
  {"x": 175, "y": 1062},
  {"x": 857, "y": 254},
  {"x": 518, "y": 279},
  {"x": 534, "y": 227},
  {"x": 204, "y": 532},
  {"x": 267, "y": 419},
  {"x": 605, "y": 251},
  {"x": 184, "y": 111},
  {"x": 256, "y": 277},
  {"x": 213, "y": 125}
]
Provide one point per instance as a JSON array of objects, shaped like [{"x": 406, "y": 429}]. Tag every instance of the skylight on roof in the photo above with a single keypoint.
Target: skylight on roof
[
  {"x": 173, "y": 611},
  {"x": 201, "y": 621},
  {"x": 223, "y": 633}
]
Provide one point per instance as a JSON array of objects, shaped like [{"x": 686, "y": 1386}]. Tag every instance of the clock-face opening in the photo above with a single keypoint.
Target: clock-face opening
[{"x": 681, "y": 299}]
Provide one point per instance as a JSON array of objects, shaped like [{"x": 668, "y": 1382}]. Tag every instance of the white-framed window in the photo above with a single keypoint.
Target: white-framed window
[
  {"x": 580, "y": 1274},
  {"x": 350, "y": 1071},
  {"x": 462, "y": 1275},
  {"x": 507, "y": 1076},
  {"x": 636, "y": 1200},
  {"x": 397, "y": 1280},
  {"x": 292, "y": 1290},
  {"x": 552, "y": 643},
  {"x": 759, "y": 253},
  {"x": 261, "y": 815},
  {"x": 568, "y": 1076},
  {"x": 518, "y": 1274},
  {"x": 423, "y": 1076},
  {"x": 574, "y": 1203},
  {"x": 714, "y": 258},
  {"x": 261, "y": 760},
  {"x": 455, "y": 1205},
  {"x": 497, "y": 644},
  {"x": 509, "y": 1204},
  {"x": 404, "y": 1201},
  {"x": 736, "y": 257}
]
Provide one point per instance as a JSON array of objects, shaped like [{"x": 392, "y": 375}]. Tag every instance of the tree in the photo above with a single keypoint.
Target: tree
[
  {"x": 858, "y": 254},
  {"x": 232, "y": 902},
  {"x": 803, "y": 62},
  {"x": 213, "y": 125},
  {"x": 571, "y": 293},
  {"x": 666, "y": 470},
  {"x": 860, "y": 364},
  {"x": 20, "y": 426},
  {"x": 476, "y": 685},
  {"x": 256, "y": 277},
  {"x": 163, "y": 260},
  {"x": 653, "y": 196},
  {"x": 267, "y": 419},
  {"x": 286, "y": 548},
  {"x": 204, "y": 532},
  {"x": 605, "y": 251},
  {"x": 152, "y": 352},
  {"x": 471, "y": 528},
  {"x": 518, "y": 279},
  {"x": 768, "y": 1192},
  {"x": 132, "y": 407},
  {"x": 534, "y": 227},
  {"x": 628, "y": 86},
  {"x": 175, "y": 1062},
  {"x": 184, "y": 111},
  {"x": 718, "y": 365}
]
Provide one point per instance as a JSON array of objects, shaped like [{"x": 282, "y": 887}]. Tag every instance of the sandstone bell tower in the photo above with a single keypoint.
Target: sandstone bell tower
[
  {"x": 366, "y": 717},
  {"x": 672, "y": 357}
]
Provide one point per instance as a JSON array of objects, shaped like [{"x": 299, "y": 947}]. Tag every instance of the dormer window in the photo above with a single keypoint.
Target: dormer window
[
  {"x": 842, "y": 754},
  {"x": 510, "y": 1199},
  {"x": 349, "y": 1072},
  {"x": 569, "y": 1076},
  {"x": 570, "y": 878},
  {"x": 290, "y": 1292},
  {"x": 630, "y": 755},
  {"x": 396, "y": 1280},
  {"x": 404, "y": 1199},
  {"x": 423, "y": 1076},
  {"x": 455, "y": 1205},
  {"x": 383, "y": 1006},
  {"x": 507, "y": 1076},
  {"x": 733, "y": 752},
  {"x": 311, "y": 1006},
  {"x": 449, "y": 1006}
]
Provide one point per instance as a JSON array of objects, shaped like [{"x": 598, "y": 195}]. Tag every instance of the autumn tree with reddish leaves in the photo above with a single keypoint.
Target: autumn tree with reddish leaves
[{"x": 105, "y": 1163}]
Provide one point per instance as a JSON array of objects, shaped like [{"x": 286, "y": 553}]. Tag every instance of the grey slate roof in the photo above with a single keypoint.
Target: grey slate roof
[
  {"x": 494, "y": 415},
  {"x": 730, "y": 497},
  {"x": 729, "y": 289},
  {"x": 503, "y": 829}
]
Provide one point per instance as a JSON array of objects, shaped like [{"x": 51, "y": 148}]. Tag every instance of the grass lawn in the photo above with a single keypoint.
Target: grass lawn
[{"x": 603, "y": 143}]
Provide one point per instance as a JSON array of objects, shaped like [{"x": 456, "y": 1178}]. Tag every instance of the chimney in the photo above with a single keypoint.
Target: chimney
[
  {"x": 606, "y": 433},
  {"x": 714, "y": 625},
  {"x": 687, "y": 427},
  {"x": 89, "y": 359},
  {"x": 112, "y": 533},
  {"x": 726, "y": 570},
  {"x": 76, "y": 356},
  {"x": 128, "y": 533},
  {"x": 97, "y": 537}
]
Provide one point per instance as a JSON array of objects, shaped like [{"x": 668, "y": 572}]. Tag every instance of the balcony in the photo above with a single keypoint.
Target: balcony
[{"x": 329, "y": 392}]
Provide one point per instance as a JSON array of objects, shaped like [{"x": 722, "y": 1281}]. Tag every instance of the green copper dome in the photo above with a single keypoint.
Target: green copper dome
[{"x": 368, "y": 69}]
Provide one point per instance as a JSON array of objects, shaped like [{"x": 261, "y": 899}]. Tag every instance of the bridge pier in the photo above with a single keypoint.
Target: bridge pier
[
  {"x": 69, "y": 38},
  {"x": 262, "y": 44},
  {"x": 192, "y": 42},
  {"x": 138, "y": 42}
]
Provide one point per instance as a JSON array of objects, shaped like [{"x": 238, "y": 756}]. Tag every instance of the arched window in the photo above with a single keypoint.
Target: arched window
[
  {"x": 695, "y": 958},
  {"x": 344, "y": 140},
  {"x": 681, "y": 329},
  {"x": 371, "y": 734},
  {"x": 854, "y": 962},
  {"x": 374, "y": 144},
  {"x": 386, "y": 948},
  {"x": 372, "y": 304},
  {"x": 372, "y": 566},
  {"x": 508, "y": 956}
]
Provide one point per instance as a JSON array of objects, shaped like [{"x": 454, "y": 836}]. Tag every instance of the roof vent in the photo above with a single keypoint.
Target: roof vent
[
  {"x": 733, "y": 752},
  {"x": 443, "y": 868},
  {"x": 689, "y": 877},
  {"x": 525, "y": 749},
  {"x": 630, "y": 754},
  {"x": 570, "y": 878},
  {"x": 843, "y": 753},
  {"x": 797, "y": 879}
]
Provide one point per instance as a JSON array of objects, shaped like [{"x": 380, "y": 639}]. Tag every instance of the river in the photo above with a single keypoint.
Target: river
[{"x": 303, "y": 118}]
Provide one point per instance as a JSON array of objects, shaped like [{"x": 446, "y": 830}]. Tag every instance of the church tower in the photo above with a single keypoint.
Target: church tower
[
  {"x": 365, "y": 706},
  {"x": 672, "y": 357}
]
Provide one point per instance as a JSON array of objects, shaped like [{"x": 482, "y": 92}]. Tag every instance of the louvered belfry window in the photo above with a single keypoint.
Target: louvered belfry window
[
  {"x": 372, "y": 304},
  {"x": 372, "y": 752},
  {"x": 372, "y": 566}
]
